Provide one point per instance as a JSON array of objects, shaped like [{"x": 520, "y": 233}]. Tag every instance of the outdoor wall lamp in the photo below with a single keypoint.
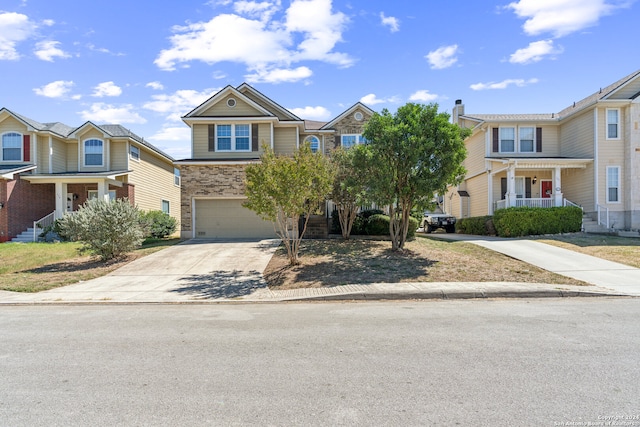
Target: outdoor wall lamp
[{"x": 535, "y": 179}]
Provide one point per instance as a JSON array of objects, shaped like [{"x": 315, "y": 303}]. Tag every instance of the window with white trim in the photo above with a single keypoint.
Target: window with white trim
[
  {"x": 613, "y": 123},
  {"x": 527, "y": 138},
  {"x": 93, "y": 152},
  {"x": 12, "y": 147},
  {"x": 176, "y": 176},
  {"x": 507, "y": 140},
  {"x": 134, "y": 153},
  {"x": 349, "y": 140},
  {"x": 233, "y": 137},
  {"x": 314, "y": 142},
  {"x": 93, "y": 194},
  {"x": 613, "y": 184},
  {"x": 165, "y": 207}
]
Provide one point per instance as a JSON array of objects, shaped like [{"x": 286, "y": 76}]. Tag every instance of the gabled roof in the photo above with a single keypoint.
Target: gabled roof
[
  {"x": 221, "y": 94},
  {"x": 244, "y": 87},
  {"x": 346, "y": 113},
  {"x": 8, "y": 171}
]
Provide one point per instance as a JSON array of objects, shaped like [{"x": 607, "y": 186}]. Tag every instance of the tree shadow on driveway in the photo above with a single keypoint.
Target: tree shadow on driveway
[{"x": 221, "y": 284}]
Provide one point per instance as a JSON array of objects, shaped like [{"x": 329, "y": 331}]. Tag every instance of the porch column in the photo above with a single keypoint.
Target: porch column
[
  {"x": 557, "y": 187},
  {"x": 61, "y": 199},
  {"x": 511, "y": 186},
  {"x": 103, "y": 190}
]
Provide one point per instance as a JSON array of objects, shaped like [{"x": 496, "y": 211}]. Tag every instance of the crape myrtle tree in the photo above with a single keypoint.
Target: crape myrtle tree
[
  {"x": 282, "y": 189},
  {"x": 350, "y": 186},
  {"x": 413, "y": 154}
]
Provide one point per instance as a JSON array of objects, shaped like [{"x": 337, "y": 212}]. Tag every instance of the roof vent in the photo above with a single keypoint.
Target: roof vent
[{"x": 231, "y": 102}]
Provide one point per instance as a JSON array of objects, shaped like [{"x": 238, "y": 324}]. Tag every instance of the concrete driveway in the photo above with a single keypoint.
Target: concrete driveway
[{"x": 192, "y": 270}]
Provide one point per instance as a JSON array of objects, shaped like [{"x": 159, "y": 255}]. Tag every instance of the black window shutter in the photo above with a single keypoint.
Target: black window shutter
[
  {"x": 496, "y": 141},
  {"x": 503, "y": 188},
  {"x": 254, "y": 137},
  {"x": 538, "y": 140},
  {"x": 212, "y": 137},
  {"x": 527, "y": 188}
]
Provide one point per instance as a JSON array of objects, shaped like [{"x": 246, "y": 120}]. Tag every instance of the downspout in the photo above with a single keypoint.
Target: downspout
[
  {"x": 50, "y": 154},
  {"x": 595, "y": 158}
]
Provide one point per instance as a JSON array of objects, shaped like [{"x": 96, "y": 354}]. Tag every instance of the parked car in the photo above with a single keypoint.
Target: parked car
[{"x": 433, "y": 221}]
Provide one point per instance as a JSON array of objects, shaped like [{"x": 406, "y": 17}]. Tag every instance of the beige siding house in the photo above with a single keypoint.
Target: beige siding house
[
  {"x": 587, "y": 154},
  {"x": 230, "y": 131},
  {"x": 47, "y": 169}
]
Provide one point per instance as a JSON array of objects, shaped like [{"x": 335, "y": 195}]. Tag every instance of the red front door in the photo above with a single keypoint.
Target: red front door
[{"x": 545, "y": 189}]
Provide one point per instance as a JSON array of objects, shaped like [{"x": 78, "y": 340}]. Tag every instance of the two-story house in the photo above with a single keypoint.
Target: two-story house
[
  {"x": 587, "y": 154},
  {"x": 228, "y": 132},
  {"x": 48, "y": 169}
]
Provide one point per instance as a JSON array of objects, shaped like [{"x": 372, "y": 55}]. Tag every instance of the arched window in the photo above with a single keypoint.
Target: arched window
[
  {"x": 93, "y": 152},
  {"x": 314, "y": 142},
  {"x": 12, "y": 147}
]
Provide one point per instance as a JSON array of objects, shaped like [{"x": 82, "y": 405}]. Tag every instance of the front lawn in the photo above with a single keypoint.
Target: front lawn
[
  {"x": 625, "y": 250},
  {"x": 34, "y": 267},
  {"x": 336, "y": 262}
]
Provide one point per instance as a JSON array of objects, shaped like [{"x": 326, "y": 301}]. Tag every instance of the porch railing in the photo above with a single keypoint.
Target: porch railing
[
  {"x": 43, "y": 223},
  {"x": 540, "y": 202},
  {"x": 603, "y": 215}
]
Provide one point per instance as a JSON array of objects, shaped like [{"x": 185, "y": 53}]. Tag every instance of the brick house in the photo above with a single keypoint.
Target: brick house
[
  {"x": 228, "y": 132},
  {"x": 48, "y": 169},
  {"x": 588, "y": 154}
]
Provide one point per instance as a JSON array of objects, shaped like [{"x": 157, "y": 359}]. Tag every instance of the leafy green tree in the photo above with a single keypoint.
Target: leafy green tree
[
  {"x": 349, "y": 187},
  {"x": 107, "y": 229},
  {"x": 413, "y": 154},
  {"x": 282, "y": 189}
]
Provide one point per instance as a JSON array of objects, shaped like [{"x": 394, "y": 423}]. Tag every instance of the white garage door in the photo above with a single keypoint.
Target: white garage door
[{"x": 227, "y": 218}]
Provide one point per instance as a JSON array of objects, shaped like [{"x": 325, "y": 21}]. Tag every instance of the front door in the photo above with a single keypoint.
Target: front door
[{"x": 546, "y": 189}]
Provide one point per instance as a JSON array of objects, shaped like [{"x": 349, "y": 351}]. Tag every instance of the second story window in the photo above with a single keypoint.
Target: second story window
[
  {"x": 11, "y": 147},
  {"x": 348, "y": 141},
  {"x": 134, "y": 153},
  {"x": 507, "y": 140},
  {"x": 527, "y": 137},
  {"x": 176, "y": 176},
  {"x": 613, "y": 120},
  {"x": 233, "y": 137},
  {"x": 93, "y": 152}
]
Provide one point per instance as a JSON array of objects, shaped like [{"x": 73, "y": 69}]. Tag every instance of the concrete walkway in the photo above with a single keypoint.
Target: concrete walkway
[{"x": 205, "y": 271}]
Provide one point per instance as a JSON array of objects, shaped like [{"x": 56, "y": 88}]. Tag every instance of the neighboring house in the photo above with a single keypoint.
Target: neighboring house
[
  {"x": 228, "y": 132},
  {"x": 52, "y": 168},
  {"x": 587, "y": 154}
]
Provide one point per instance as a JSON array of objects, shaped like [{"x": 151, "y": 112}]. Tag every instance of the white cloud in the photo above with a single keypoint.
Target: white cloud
[
  {"x": 309, "y": 30},
  {"x": 106, "y": 89},
  {"x": 173, "y": 133},
  {"x": 390, "y": 21},
  {"x": 179, "y": 103},
  {"x": 423, "y": 96},
  {"x": 279, "y": 75},
  {"x": 443, "y": 57},
  {"x": 312, "y": 113},
  {"x": 372, "y": 99},
  {"x": 155, "y": 85},
  {"x": 561, "y": 17},
  {"x": 14, "y": 28},
  {"x": 107, "y": 113},
  {"x": 503, "y": 84},
  {"x": 56, "y": 89},
  {"x": 536, "y": 51},
  {"x": 48, "y": 50}
]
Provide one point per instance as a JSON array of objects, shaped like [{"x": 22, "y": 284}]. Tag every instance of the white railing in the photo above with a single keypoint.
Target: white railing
[
  {"x": 535, "y": 203},
  {"x": 501, "y": 204},
  {"x": 43, "y": 223},
  {"x": 603, "y": 215}
]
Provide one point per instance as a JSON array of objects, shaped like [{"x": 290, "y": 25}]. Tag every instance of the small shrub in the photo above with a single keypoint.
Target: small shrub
[
  {"x": 107, "y": 229},
  {"x": 377, "y": 225},
  {"x": 479, "y": 225},
  {"x": 158, "y": 224},
  {"x": 524, "y": 221}
]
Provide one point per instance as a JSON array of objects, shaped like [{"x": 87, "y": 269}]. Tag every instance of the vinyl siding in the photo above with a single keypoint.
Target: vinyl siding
[
  {"x": 119, "y": 154},
  {"x": 153, "y": 179},
  {"x": 61, "y": 156},
  {"x": 267, "y": 107},
  {"x": 611, "y": 152},
  {"x": 42, "y": 154},
  {"x": 91, "y": 134},
  {"x": 201, "y": 144},
  {"x": 576, "y": 137},
  {"x": 475, "y": 163},
  {"x": 285, "y": 140},
  {"x": 550, "y": 140},
  {"x": 220, "y": 109},
  {"x": 577, "y": 186},
  {"x": 477, "y": 188},
  {"x": 72, "y": 158}
]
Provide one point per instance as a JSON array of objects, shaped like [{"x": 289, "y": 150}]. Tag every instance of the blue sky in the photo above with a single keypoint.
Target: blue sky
[{"x": 144, "y": 64}]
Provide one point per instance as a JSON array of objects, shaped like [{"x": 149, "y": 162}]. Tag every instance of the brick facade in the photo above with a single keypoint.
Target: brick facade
[
  {"x": 208, "y": 181},
  {"x": 81, "y": 193},
  {"x": 23, "y": 203}
]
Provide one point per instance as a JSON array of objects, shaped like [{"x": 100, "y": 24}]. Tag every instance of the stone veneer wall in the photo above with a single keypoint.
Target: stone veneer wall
[
  {"x": 348, "y": 125},
  {"x": 207, "y": 181}
]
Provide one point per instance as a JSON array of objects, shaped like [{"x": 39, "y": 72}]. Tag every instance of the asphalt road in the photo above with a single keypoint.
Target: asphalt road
[{"x": 570, "y": 361}]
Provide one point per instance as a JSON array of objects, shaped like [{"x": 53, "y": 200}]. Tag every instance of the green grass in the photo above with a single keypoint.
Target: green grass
[{"x": 34, "y": 267}]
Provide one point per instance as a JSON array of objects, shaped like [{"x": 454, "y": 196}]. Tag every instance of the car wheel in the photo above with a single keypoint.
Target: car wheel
[
  {"x": 428, "y": 228},
  {"x": 451, "y": 229}
]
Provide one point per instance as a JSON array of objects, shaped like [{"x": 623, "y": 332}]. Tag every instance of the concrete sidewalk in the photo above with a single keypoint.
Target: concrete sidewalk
[{"x": 206, "y": 272}]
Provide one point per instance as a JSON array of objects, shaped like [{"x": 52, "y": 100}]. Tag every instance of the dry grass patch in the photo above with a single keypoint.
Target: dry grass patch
[
  {"x": 35, "y": 267},
  {"x": 625, "y": 250},
  {"x": 336, "y": 262}
]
